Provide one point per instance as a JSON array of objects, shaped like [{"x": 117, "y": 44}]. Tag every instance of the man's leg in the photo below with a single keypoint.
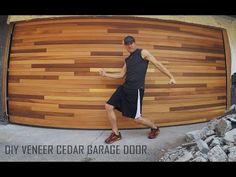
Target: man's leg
[
  {"x": 155, "y": 131},
  {"x": 146, "y": 122},
  {"x": 112, "y": 118},
  {"x": 115, "y": 135}
]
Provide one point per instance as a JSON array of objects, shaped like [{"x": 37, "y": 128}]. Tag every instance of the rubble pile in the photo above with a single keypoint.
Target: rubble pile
[{"x": 214, "y": 143}]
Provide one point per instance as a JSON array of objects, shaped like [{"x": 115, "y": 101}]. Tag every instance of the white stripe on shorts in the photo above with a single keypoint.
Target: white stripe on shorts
[{"x": 138, "y": 114}]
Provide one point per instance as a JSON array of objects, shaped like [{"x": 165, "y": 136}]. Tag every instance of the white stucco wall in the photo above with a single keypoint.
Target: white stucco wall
[{"x": 222, "y": 21}]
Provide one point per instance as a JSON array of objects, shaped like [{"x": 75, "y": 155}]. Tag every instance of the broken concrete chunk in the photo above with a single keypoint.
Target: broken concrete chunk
[
  {"x": 212, "y": 124},
  {"x": 210, "y": 133},
  {"x": 197, "y": 134},
  {"x": 232, "y": 154},
  {"x": 209, "y": 139},
  {"x": 186, "y": 157},
  {"x": 232, "y": 157},
  {"x": 202, "y": 146},
  {"x": 229, "y": 136},
  {"x": 199, "y": 154},
  {"x": 232, "y": 149},
  {"x": 187, "y": 145},
  {"x": 231, "y": 117},
  {"x": 232, "y": 107},
  {"x": 192, "y": 136},
  {"x": 222, "y": 127},
  {"x": 216, "y": 141},
  {"x": 199, "y": 159},
  {"x": 225, "y": 148},
  {"x": 216, "y": 154}
]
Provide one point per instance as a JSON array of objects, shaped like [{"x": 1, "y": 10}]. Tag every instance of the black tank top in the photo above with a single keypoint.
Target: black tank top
[{"x": 136, "y": 70}]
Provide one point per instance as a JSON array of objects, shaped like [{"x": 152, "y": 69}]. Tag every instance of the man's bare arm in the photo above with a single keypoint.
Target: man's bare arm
[
  {"x": 146, "y": 55},
  {"x": 117, "y": 75}
]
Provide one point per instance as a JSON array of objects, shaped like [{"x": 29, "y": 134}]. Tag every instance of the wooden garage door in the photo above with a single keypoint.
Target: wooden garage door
[{"x": 53, "y": 71}]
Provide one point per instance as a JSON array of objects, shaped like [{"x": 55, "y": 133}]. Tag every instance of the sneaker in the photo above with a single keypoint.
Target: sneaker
[
  {"x": 153, "y": 133},
  {"x": 112, "y": 138}
]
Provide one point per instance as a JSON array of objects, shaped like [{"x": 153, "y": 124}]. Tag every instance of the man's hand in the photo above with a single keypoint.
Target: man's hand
[
  {"x": 172, "y": 81},
  {"x": 102, "y": 72}
]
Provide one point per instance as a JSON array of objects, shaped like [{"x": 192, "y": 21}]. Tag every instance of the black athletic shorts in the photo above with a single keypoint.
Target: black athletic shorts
[{"x": 127, "y": 101}]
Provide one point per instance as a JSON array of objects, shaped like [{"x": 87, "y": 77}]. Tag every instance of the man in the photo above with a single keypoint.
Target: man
[{"x": 128, "y": 97}]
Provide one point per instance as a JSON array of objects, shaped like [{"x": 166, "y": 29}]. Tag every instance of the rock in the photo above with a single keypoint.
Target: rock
[
  {"x": 199, "y": 154},
  {"x": 225, "y": 148},
  {"x": 229, "y": 137},
  {"x": 232, "y": 157},
  {"x": 231, "y": 110},
  {"x": 193, "y": 135},
  {"x": 210, "y": 133},
  {"x": 204, "y": 132},
  {"x": 233, "y": 125},
  {"x": 194, "y": 149},
  {"x": 232, "y": 149},
  {"x": 188, "y": 145},
  {"x": 216, "y": 154},
  {"x": 232, "y": 107},
  {"x": 173, "y": 154},
  {"x": 202, "y": 146},
  {"x": 216, "y": 141},
  {"x": 197, "y": 134},
  {"x": 212, "y": 124},
  {"x": 222, "y": 127},
  {"x": 209, "y": 139},
  {"x": 232, "y": 154},
  {"x": 186, "y": 157},
  {"x": 231, "y": 117},
  {"x": 199, "y": 159}
]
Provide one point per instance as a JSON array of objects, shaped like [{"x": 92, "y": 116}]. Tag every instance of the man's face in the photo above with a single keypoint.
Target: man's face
[{"x": 130, "y": 47}]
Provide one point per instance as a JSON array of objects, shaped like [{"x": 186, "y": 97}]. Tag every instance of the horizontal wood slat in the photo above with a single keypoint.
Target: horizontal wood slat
[
  {"x": 53, "y": 71},
  {"x": 78, "y": 42}
]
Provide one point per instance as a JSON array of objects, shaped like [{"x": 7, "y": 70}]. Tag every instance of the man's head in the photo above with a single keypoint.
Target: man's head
[{"x": 129, "y": 43}]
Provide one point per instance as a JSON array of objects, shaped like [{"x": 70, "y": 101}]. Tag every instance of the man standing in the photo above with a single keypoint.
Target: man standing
[{"x": 128, "y": 97}]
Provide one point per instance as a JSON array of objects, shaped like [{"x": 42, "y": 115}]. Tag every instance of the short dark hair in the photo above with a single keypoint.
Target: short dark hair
[{"x": 129, "y": 40}]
